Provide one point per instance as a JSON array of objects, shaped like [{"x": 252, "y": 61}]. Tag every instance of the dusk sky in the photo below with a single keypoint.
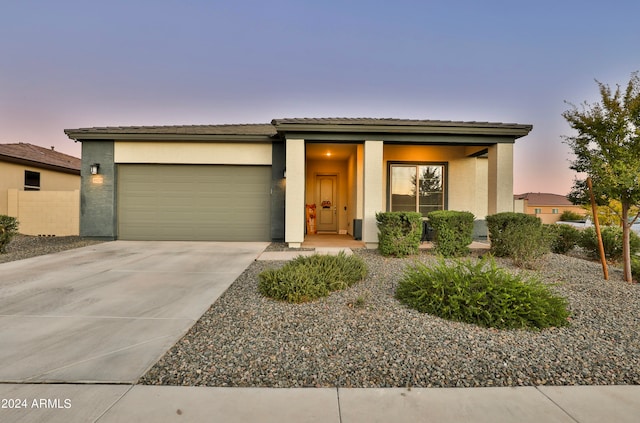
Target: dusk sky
[{"x": 71, "y": 64}]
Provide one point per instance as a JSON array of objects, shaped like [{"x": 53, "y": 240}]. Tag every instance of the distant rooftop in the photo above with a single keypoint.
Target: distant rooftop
[
  {"x": 544, "y": 199},
  {"x": 39, "y": 157}
]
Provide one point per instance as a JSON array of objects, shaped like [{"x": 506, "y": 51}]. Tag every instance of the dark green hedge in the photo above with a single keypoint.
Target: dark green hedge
[
  {"x": 453, "y": 232},
  {"x": 501, "y": 226},
  {"x": 8, "y": 229},
  {"x": 563, "y": 237},
  {"x": 399, "y": 233},
  {"x": 611, "y": 241}
]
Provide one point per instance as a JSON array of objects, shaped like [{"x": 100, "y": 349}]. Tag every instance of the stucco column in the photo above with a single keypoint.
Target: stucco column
[
  {"x": 294, "y": 213},
  {"x": 500, "y": 184},
  {"x": 373, "y": 191},
  {"x": 359, "y": 180}
]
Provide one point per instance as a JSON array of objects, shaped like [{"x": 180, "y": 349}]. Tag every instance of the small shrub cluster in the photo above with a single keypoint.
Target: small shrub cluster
[
  {"x": 307, "y": 278},
  {"x": 8, "y": 229},
  {"x": 399, "y": 233},
  {"x": 518, "y": 236},
  {"x": 635, "y": 268},
  {"x": 563, "y": 238},
  {"x": 453, "y": 232},
  {"x": 611, "y": 241},
  {"x": 569, "y": 215},
  {"x": 481, "y": 293}
]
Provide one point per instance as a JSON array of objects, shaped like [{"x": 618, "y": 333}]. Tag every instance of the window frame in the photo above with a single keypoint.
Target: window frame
[
  {"x": 31, "y": 178},
  {"x": 445, "y": 183}
]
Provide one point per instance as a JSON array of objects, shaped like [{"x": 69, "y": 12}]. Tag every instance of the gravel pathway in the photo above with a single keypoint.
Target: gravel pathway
[
  {"x": 363, "y": 337},
  {"x": 25, "y": 246}
]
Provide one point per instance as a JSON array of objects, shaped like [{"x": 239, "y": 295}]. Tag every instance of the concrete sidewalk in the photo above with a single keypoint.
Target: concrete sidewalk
[{"x": 124, "y": 403}]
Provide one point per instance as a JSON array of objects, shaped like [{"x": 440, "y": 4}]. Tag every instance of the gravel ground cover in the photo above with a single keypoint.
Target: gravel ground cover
[
  {"x": 25, "y": 246},
  {"x": 363, "y": 337}
]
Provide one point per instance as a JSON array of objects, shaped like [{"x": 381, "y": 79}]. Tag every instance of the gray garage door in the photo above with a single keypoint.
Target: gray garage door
[{"x": 194, "y": 202}]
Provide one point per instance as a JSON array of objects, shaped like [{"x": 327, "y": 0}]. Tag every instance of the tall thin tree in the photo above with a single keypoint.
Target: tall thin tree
[{"x": 607, "y": 148}]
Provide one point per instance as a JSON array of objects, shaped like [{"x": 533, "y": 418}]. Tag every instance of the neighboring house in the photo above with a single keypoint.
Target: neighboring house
[
  {"x": 548, "y": 207},
  {"x": 40, "y": 186},
  {"x": 253, "y": 182}
]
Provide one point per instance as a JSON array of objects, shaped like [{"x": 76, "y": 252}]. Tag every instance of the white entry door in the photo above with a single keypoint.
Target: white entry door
[{"x": 326, "y": 206}]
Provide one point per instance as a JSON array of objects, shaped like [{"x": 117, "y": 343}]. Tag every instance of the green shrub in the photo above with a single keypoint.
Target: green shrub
[
  {"x": 8, "y": 229},
  {"x": 635, "y": 268},
  {"x": 519, "y": 236},
  {"x": 568, "y": 215},
  {"x": 528, "y": 245},
  {"x": 611, "y": 241},
  {"x": 399, "y": 233},
  {"x": 501, "y": 227},
  {"x": 563, "y": 238},
  {"x": 481, "y": 293},
  {"x": 453, "y": 232},
  {"x": 308, "y": 278}
]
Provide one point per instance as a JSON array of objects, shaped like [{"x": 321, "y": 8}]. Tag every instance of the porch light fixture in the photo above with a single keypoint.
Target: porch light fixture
[{"x": 94, "y": 168}]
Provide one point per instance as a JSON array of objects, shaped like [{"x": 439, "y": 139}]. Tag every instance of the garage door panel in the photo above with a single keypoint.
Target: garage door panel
[{"x": 183, "y": 202}]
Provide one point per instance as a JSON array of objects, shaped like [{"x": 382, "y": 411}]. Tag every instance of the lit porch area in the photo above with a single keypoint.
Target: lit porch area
[{"x": 331, "y": 241}]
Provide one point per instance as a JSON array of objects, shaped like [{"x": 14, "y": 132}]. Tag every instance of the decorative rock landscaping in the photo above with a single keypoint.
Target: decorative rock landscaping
[
  {"x": 24, "y": 246},
  {"x": 363, "y": 337}
]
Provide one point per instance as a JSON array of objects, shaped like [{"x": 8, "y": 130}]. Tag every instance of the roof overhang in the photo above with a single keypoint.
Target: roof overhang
[
  {"x": 194, "y": 133},
  {"x": 39, "y": 165},
  {"x": 321, "y": 130},
  {"x": 398, "y": 130}
]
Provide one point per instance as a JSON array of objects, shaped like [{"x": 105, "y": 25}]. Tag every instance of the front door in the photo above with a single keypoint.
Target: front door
[{"x": 326, "y": 207}]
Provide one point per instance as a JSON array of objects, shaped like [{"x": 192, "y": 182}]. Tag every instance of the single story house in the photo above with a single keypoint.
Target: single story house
[
  {"x": 255, "y": 182},
  {"x": 548, "y": 207}
]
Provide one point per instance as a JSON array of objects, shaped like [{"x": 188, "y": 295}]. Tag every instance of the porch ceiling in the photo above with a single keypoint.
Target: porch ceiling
[{"x": 330, "y": 151}]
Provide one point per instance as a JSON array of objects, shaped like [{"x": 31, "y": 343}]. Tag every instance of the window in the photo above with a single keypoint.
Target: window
[
  {"x": 538, "y": 211},
  {"x": 31, "y": 181},
  {"x": 554, "y": 211},
  {"x": 416, "y": 187}
]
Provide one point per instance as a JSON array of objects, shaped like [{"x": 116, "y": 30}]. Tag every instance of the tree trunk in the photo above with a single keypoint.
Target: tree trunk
[{"x": 626, "y": 249}]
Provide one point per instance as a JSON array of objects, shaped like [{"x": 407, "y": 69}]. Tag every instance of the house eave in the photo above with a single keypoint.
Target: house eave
[
  {"x": 118, "y": 136},
  {"x": 387, "y": 131},
  {"x": 38, "y": 165}
]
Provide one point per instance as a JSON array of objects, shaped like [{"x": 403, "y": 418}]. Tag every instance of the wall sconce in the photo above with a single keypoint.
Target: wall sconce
[{"x": 94, "y": 168}]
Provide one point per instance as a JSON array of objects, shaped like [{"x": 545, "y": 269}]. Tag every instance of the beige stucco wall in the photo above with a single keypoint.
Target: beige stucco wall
[
  {"x": 547, "y": 215},
  {"x": 373, "y": 190},
  {"x": 12, "y": 177},
  {"x": 466, "y": 177},
  {"x": 233, "y": 153},
  {"x": 500, "y": 179},
  {"x": 295, "y": 193},
  {"x": 46, "y": 212}
]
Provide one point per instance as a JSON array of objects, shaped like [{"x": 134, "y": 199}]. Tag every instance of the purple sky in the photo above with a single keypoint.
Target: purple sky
[{"x": 70, "y": 64}]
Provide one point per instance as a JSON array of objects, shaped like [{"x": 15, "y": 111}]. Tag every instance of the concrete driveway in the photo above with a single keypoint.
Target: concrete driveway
[{"x": 108, "y": 312}]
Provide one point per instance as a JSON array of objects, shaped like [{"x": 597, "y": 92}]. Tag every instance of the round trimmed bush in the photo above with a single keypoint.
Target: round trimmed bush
[
  {"x": 481, "y": 293},
  {"x": 308, "y": 278}
]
